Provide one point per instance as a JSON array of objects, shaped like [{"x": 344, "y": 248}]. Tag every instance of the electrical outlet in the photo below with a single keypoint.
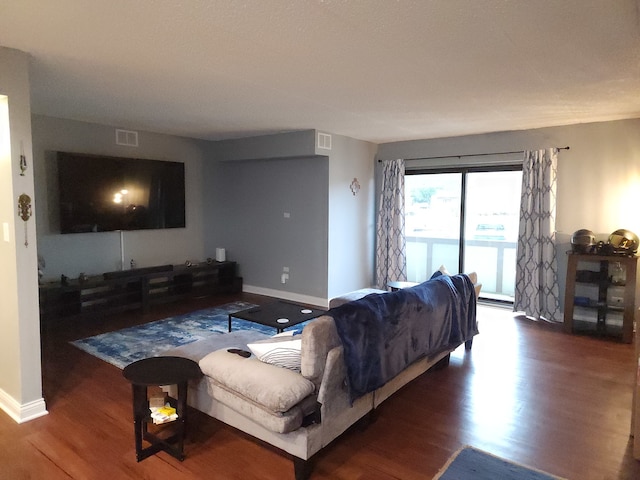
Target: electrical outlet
[{"x": 285, "y": 269}]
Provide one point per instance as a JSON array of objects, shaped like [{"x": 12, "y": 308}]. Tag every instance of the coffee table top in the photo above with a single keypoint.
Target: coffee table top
[
  {"x": 161, "y": 371},
  {"x": 280, "y": 314}
]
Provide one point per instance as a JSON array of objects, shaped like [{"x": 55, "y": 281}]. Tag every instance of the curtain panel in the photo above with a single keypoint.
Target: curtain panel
[
  {"x": 391, "y": 259},
  {"x": 536, "y": 289}
]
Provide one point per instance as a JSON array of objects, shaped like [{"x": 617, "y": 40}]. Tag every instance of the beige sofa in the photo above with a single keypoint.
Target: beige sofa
[{"x": 297, "y": 412}]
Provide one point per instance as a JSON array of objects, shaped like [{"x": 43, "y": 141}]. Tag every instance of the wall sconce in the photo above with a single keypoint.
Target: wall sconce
[
  {"x": 25, "y": 212},
  {"x": 23, "y": 160},
  {"x": 355, "y": 186}
]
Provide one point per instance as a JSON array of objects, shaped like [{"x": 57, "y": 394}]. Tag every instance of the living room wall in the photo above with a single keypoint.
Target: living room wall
[
  {"x": 270, "y": 214},
  {"x": 598, "y": 178},
  {"x": 95, "y": 253},
  {"x": 20, "y": 380},
  {"x": 279, "y": 201},
  {"x": 351, "y": 216}
]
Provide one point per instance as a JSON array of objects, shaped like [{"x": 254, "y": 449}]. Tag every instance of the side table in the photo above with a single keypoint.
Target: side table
[{"x": 159, "y": 371}]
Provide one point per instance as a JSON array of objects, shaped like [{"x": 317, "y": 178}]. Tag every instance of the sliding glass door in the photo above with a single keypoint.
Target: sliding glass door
[
  {"x": 432, "y": 223},
  {"x": 467, "y": 220}
]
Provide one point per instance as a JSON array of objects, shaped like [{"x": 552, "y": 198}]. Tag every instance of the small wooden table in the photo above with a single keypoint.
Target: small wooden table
[{"x": 159, "y": 371}]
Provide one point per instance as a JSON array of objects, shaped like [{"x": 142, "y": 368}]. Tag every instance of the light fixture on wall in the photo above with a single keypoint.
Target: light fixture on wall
[
  {"x": 23, "y": 160},
  {"x": 355, "y": 186},
  {"x": 25, "y": 211}
]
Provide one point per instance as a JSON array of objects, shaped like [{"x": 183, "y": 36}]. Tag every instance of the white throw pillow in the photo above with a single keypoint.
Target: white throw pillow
[
  {"x": 473, "y": 276},
  {"x": 444, "y": 270},
  {"x": 283, "y": 351}
]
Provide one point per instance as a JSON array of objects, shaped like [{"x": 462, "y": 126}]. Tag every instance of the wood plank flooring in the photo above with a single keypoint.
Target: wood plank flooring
[{"x": 526, "y": 392}]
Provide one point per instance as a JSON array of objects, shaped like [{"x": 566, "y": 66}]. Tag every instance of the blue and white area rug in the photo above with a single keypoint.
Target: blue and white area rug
[
  {"x": 122, "y": 347},
  {"x": 470, "y": 463}
]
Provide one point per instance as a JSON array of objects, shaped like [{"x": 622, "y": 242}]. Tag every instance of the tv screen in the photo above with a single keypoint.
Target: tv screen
[{"x": 101, "y": 194}]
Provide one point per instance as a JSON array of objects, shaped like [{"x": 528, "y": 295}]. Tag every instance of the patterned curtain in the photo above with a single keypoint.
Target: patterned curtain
[
  {"x": 536, "y": 292},
  {"x": 391, "y": 259}
]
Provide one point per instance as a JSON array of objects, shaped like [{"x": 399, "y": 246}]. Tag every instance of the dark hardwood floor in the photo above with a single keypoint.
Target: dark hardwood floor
[{"x": 526, "y": 392}]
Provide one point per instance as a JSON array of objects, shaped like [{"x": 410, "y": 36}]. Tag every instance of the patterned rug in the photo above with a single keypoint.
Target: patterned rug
[
  {"x": 470, "y": 463},
  {"x": 122, "y": 347}
]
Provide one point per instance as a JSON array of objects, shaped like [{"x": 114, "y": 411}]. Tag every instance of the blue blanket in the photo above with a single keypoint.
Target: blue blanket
[{"x": 384, "y": 333}]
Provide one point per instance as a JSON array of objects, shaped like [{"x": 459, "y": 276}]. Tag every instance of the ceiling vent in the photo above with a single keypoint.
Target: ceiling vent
[
  {"x": 127, "y": 138},
  {"x": 324, "y": 141}
]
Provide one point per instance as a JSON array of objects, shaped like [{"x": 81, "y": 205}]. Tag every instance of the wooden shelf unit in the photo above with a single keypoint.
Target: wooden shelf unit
[
  {"x": 137, "y": 289},
  {"x": 611, "y": 293}
]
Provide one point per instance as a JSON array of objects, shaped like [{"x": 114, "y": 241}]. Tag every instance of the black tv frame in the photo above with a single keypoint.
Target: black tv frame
[{"x": 88, "y": 185}]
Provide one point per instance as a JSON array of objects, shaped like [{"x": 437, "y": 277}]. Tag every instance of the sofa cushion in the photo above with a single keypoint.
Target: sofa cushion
[
  {"x": 276, "y": 389},
  {"x": 282, "y": 351},
  {"x": 222, "y": 398}
]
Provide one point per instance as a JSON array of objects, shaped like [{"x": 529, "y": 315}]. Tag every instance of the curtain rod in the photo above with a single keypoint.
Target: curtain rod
[{"x": 472, "y": 155}]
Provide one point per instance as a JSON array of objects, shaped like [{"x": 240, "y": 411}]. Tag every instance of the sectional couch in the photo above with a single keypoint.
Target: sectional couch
[{"x": 402, "y": 333}]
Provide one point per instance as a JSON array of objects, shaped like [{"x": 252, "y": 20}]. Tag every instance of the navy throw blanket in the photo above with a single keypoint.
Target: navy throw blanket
[{"x": 384, "y": 333}]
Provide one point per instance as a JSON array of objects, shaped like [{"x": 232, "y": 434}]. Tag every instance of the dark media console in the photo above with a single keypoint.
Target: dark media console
[{"x": 139, "y": 288}]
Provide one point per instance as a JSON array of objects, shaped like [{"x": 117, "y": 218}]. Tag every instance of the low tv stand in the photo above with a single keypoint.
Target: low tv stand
[{"x": 139, "y": 288}]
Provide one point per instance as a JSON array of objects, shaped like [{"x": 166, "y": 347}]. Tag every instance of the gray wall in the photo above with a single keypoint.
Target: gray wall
[
  {"x": 95, "y": 253},
  {"x": 249, "y": 202},
  {"x": 250, "y": 187},
  {"x": 327, "y": 241},
  {"x": 351, "y": 216},
  {"x": 283, "y": 145},
  {"x": 598, "y": 178}
]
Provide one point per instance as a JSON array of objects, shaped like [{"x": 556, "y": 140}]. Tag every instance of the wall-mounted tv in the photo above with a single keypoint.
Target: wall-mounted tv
[{"x": 101, "y": 194}]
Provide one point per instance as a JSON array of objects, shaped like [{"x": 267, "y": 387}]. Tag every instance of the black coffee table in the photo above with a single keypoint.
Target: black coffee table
[
  {"x": 157, "y": 371},
  {"x": 279, "y": 315}
]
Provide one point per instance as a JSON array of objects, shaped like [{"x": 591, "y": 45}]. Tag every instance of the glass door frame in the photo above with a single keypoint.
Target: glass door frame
[{"x": 463, "y": 171}]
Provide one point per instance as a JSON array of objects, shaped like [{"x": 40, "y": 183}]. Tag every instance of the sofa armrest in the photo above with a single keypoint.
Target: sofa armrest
[{"x": 333, "y": 393}]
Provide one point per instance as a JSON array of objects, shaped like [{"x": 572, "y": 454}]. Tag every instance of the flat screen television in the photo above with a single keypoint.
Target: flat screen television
[{"x": 101, "y": 194}]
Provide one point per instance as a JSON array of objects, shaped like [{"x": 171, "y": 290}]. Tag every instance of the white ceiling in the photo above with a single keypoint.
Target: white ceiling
[{"x": 376, "y": 70}]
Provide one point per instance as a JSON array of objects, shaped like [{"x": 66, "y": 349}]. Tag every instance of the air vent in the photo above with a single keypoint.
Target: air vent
[
  {"x": 127, "y": 138},
  {"x": 324, "y": 141}
]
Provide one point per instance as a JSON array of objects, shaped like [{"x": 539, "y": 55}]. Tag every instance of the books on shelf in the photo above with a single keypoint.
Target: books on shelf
[{"x": 163, "y": 414}]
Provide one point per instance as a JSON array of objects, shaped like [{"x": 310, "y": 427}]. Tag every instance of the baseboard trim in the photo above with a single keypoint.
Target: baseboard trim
[
  {"x": 294, "y": 297},
  {"x": 22, "y": 412}
]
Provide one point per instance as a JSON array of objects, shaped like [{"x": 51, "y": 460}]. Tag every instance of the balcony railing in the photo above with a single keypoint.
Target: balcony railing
[{"x": 493, "y": 260}]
